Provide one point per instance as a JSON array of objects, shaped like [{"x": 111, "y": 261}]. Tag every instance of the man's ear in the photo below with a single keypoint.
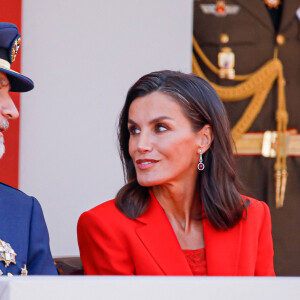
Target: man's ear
[{"x": 206, "y": 137}]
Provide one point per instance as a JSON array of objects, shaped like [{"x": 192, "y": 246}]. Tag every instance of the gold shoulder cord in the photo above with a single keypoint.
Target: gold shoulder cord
[{"x": 258, "y": 85}]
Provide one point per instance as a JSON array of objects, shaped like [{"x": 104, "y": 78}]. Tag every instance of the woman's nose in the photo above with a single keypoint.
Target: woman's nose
[
  {"x": 8, "y": 108},
  {"x": 144, "y": 143}
]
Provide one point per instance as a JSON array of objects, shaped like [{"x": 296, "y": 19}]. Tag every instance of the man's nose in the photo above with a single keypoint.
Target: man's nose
[
  {"x": 144, "y": 143},
  {"x": 8, "y": 108}
]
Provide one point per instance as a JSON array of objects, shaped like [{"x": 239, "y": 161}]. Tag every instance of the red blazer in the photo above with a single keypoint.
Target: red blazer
[{"x": 112, "y": 244}]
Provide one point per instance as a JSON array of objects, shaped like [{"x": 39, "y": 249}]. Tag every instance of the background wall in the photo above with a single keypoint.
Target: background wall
[{"x": 83, "y": 56}]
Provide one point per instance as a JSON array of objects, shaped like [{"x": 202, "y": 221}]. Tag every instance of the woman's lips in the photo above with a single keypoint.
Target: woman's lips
[{"x": 146, "y": 163}]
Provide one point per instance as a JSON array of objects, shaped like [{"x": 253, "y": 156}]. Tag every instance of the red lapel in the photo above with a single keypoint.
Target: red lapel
[
  {"x": 222, "y": 249},
  {"x": 158, "y": 237},
  {"x": 160, "y": 240}
]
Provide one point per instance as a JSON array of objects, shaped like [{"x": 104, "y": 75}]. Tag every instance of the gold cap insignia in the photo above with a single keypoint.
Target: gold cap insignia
[
  {"x": 15, "y": 48},
  {"x": 7, "y": 253}
]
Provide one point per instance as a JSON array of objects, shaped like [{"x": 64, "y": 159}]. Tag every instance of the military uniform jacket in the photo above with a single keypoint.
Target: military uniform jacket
[
  {"x": 252, "y": 38},
  {"x": 23, "y": 226}
]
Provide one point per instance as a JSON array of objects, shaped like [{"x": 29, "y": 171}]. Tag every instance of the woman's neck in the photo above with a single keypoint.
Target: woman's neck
[{"x": 179, "y": 203}]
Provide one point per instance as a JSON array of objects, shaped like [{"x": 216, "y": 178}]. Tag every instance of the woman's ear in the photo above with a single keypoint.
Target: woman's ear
[{"x": 205, "y": 138}]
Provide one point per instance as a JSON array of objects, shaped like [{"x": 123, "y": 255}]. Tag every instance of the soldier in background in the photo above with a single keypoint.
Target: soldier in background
[{"x": 240, "y": 37}]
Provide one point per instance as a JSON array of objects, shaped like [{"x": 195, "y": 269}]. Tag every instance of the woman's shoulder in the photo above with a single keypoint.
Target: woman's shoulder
[
  {"x": 256, "y": 210},
  {"x": 105, "y": 213},
  {"x": 255, "y": 204},
  {"x": 105, "y": 207}
]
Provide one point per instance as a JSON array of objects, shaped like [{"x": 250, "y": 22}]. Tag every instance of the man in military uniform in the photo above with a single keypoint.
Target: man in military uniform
[
  {"x": 24, "y": 240},
  {"x": 240, "y": 37}
]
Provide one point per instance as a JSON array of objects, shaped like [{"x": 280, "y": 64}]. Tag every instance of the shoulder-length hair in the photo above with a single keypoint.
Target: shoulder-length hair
[{"x": 218, "y": 183}]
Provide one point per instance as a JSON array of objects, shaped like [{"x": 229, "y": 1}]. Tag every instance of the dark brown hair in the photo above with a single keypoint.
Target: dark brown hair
[{"x": 218, "y": 184}]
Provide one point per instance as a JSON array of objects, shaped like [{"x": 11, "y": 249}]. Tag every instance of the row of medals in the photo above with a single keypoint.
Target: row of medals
[
  {"x": 8, "y": 256},
  {"x": 226, "y": 58}
]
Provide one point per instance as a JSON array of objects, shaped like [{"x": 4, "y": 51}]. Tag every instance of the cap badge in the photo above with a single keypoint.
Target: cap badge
[
  {"x": 15, "y": 49},
  {"x": 7, "y": 253}
]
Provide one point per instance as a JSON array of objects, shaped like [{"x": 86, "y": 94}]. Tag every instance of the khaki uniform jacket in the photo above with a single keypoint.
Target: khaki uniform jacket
[{"x": 252, "y": 38}]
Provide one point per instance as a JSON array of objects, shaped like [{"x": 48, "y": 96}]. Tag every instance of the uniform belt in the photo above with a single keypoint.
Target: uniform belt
[{"x": 266, "y": 144}]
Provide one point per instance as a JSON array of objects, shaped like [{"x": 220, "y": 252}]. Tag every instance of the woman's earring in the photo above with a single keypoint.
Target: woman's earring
[{"x": 201, "y": 165}]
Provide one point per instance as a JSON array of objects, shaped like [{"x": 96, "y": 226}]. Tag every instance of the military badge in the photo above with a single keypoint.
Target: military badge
[
  {"x": 272, "y": 3},
  {"x": 15, "y": 48},
  {"x": 298, "y": 13},
  {"x": 226, "y": 62},
  {"x": 220, "y": 9},
  {"x": 24, "y": 271},
  {"x": 7, "y": 253}
]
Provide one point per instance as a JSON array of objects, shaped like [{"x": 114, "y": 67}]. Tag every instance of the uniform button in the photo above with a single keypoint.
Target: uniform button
[
  {"x": 224, "y": 38},
  {"x": 280, "y": 39}
]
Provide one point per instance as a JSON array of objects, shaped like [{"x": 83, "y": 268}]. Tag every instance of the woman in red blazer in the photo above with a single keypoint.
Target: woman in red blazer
[{"x": 180, "y": 212}]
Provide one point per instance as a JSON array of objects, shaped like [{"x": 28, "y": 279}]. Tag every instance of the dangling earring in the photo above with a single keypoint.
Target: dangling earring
[{"x": 201, "y": 165}]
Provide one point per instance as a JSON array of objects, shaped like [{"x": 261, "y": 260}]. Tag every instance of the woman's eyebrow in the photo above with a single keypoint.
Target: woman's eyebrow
[
  {"x": 156, "y": 120},
  {"x": 159, "y": 119},
  {"x": 131, "y": 122}
]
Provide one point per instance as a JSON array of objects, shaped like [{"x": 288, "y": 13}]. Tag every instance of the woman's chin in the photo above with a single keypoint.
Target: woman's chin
[{"x": 147, "y": 182}]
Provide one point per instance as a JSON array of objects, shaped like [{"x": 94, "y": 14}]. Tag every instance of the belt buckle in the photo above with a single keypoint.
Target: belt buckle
[{"x": 269, "y": 144}]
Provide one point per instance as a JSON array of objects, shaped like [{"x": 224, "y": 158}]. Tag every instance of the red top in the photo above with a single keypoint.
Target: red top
[{"x": 197, "y": 261}]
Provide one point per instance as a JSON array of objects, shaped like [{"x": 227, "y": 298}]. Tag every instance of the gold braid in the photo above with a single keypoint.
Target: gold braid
[{"x": 258, "y": 85}]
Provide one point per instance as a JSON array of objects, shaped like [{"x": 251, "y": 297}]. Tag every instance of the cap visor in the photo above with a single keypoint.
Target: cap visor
[{"x": 18, "y": 82}]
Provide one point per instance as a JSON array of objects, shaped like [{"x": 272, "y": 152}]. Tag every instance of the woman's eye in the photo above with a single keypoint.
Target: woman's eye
[
  {"x": 161, "y": 128},
  {"x": 134, "y": 130}
]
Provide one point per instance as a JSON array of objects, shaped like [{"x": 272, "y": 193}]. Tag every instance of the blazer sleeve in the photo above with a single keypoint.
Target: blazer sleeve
[
  {"x": 40, "y": 260},
  {"x": 103, "y": 246},
  {"x": 265, "y": 254}
]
